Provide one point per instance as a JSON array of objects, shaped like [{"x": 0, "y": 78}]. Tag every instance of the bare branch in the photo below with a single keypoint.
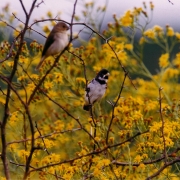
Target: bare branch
[
  {"x": 114, "y": 106},
  {"x": 162, "y": 128}
]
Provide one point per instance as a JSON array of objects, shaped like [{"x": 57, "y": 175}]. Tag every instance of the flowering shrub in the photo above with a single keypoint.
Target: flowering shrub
[{"x": 133, "y": 133}]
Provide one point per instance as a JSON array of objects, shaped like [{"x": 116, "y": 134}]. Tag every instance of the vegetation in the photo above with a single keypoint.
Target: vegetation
[{"x": 133, "y": 133}]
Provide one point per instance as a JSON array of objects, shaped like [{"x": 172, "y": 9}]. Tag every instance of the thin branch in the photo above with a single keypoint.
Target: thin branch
[
  {"x": 162, "y": 168},
  {"x": 89, "y": 154},
  {"x": 45, "y": 136},
  {"x": 114, "y": 106},
  {"x": 24, "y": 9},
  {"x": 45, "y": 148},
  {"x": 162, "y": 127}
]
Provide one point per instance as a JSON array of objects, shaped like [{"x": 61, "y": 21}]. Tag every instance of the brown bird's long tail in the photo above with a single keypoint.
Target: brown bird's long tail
[{"x": 40, "y": 63}]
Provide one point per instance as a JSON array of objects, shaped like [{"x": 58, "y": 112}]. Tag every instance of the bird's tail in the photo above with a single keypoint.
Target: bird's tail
[
  {"x": 40, "y": 63},
  {"x": 87, "y": 107}
]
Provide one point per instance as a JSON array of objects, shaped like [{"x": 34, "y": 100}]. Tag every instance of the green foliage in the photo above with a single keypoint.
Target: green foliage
[{"x": 128, "y": 135}]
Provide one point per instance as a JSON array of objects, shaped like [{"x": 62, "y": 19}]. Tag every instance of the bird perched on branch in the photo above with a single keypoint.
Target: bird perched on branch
[
  {"x": 96, "y": 89},
  {"x": 55, "y": 42}
]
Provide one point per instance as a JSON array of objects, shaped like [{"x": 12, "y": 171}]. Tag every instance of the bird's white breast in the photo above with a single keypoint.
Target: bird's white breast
[
  {"x": 96, "y": 92},
  {"x": 61, "y": 41}
]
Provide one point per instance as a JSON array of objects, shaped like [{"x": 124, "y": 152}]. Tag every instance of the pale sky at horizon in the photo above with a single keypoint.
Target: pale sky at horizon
[{"x": 164, "y": 12}]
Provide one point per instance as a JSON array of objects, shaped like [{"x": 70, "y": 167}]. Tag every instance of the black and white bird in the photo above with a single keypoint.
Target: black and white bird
[{"x": 96, "y": 89}]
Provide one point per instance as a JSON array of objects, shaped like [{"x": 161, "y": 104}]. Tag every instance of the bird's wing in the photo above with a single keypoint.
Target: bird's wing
[
  {"x": 48, "y": 43},
  {"x": 90, "y": 88}
]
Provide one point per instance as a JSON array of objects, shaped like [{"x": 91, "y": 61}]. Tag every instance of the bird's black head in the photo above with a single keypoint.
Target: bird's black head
[{"x": 102, "y": 76}]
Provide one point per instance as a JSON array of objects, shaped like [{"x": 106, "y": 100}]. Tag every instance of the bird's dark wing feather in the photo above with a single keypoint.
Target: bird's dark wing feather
[{"x": 48, "y": 43}]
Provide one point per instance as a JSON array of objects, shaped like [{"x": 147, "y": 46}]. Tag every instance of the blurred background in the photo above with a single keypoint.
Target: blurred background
[{"x": 165, "y": 13}]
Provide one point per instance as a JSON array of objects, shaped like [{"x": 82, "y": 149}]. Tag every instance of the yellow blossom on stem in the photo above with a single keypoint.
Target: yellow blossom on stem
[
  {"x": 170, "y": 31},
  {"x": 48, "y": 85},
  {"x": 59, "y": 125},
  {"x": 142, "y": 40},
  {"x": 58, "y": 77},
  {"x": 10, "y": 64},
  {"x": 127, "y": 19},
  {"x": 157, "y": 28},
  {"x": 22, "y": 78},
  {"x": 177, "y": 35},
  {"x": 138, "y": 159},
  {"x": 128, "y": 46},
  {"x": 150, "y": 34},
  {"x": 176, "y": 61},
  {"x": 31, "y": 87},
  {"x": 163, "y": 60},
  {"x": 34, "y": 76},
  {"x": 23, "y": 60}
]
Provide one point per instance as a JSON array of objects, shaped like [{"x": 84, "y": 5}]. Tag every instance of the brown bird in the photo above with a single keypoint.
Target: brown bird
[{"x": 55, "y": 42}]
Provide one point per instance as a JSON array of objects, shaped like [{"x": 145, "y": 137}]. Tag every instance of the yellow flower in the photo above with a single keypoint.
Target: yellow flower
[
  {"x": 31, "y": 87},
  {"x": 23, "y": 154},
  {"x": 170, "y": 73},
  {"x": 105, "y": 162},
  {"x": 51, "y": 170},
  {"x": 59, "y": 125},
  {"x": 79, "y": 79},
  {"x": 58, "y": 77},
  {"x": 128, "y": 46},
  {"x": 98, "y": 139},
  {"x": 16, "y": 33},
  {"x": 137, "y": 115},
  {"x": 35, "y": 76},
  {"x": 49, "y": 14},
  {"x": 127, "y": 19},
  {"x": 14, "y": 118},
  {"x": 23, "y": 60},
  {"x": 163, "y": 60},
  {"x": 170, "y": 31},
  {"x": 155, "y": 127},
  {"x": 138, "y": 159},
  {"x": 10, "y": 64},
  {"x": 137, "y": 11},
  {"x": 52, "y": 93},
  {"x": 150, "y": 34},
  {"x": 176, "y": 61},
  {"x": 46, "y": 29},
  {"x": 122, "y": 55},
  {"x": 157, "y": 28},
  {"x": 142, "y": 40},
  {"x": 120, "y": 47},
  {"x": 22, "y": 78},
  {"x": 2, "y": 100},
  {"x": 12, "y": 147},
  {"x": 49, "y": 143},
  {"x": 54, "y": 157},
  {"x": 178, "y": 35},
  {"x": 151, "y": 5},
  {"x": 142, "y": 166},
  {"x": 48, "y": 85}
]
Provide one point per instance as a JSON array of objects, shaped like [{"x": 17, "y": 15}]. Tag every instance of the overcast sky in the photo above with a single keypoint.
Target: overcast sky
[{"x": 164, "y": 12}]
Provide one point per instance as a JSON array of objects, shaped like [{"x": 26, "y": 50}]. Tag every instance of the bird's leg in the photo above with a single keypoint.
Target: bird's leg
[{"x": 87, "y": 90}]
